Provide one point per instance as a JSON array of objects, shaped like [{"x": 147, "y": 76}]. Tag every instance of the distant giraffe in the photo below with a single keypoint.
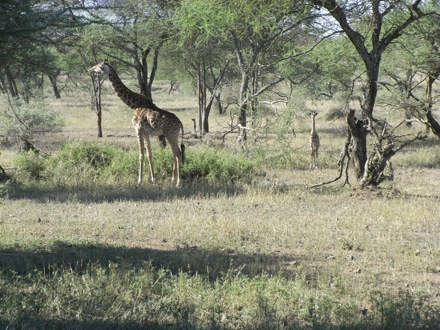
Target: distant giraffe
[
  {"x": 149, "y": 120},
  {"x": 314, "y": 142}
]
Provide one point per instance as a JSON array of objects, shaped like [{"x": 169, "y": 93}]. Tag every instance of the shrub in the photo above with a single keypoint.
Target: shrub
[
  {"x": 21, "y": 122},
  {"x": 88, "y": 162},
  {"x": 31, "y": 166},
  {"x": 213, "y": 166}
]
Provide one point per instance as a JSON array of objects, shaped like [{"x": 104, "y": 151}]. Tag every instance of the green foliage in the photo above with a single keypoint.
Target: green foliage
[
  {"x": 91, "y": 162},
  {"x": 202, "y": 20},
  {"x": 30, "y": 166},
  {"x": 214, "y": 166},
  {"x": 22, "y": 122},
  {"x": 337, "y": 64}
]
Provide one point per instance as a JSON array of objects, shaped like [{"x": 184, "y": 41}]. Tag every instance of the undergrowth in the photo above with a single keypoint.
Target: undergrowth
[{"x": 86, "y": 162}]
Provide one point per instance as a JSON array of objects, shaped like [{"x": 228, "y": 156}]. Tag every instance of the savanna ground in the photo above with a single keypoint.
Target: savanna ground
[{"x": 80, "y": 250}]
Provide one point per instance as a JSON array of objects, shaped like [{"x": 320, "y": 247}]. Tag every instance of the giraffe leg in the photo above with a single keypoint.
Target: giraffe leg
[
  {"x": 316, "y": 159},
  {"x": 177, "y": 161},
  {"x": 149, "y": 154},
  {"x": 313, "y": 161},
  {"x": 141, "y": 155}
]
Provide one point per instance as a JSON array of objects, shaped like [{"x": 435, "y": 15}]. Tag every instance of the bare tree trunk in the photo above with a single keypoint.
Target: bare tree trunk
[
  {"x": 358, "y": 146},
  {"x": 432, "y": 123},
  {"x": 12, "y": 85},
  {"x": 146, "y": 79},
  {"x": 201, "y": 95},
  {"x": 218, "y": 100},
  {"x": 53, "y": 81},
  {"x": 243, "y": 101},
  {"x": 142, "y": 73},
  {"x": 96, "y": 100},
  {"x": 99, "y": 122},
  {"x": 3, "y": 86}
]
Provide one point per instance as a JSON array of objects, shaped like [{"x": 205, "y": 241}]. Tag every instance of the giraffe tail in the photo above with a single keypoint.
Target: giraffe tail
[
  {"x": 182, "y": 148},
  {"x": 162, "y": 141}
]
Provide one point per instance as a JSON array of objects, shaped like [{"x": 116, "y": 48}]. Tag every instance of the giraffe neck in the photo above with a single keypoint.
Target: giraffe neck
[
  {"x": 313, "y": 124},
  {"x": 130, "y": 98}
]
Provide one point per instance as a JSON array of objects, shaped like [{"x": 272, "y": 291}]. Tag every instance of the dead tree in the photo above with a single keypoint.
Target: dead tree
[
  {"x": 387, "y": 143},
  {"x": 370, "y": 171}
]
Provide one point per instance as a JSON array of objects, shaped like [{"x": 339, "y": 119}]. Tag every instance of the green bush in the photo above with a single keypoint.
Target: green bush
[
  {"x": 213, "y": 166},
  {"x": 21, "y": 121},
  {"x": 91, "y": 162},
  {"x": 81, "y": 161},
  {"x": 31, "y": 166}
]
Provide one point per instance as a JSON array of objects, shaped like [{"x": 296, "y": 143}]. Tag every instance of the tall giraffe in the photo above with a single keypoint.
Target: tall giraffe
[
  {"x": 126, "y": 95},
  {"x": 149, "y": 120},
  {"x": 314, "y": 142}
]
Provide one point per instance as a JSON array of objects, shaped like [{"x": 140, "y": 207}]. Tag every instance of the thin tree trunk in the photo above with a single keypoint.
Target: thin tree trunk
[
  {"x": 206, "y": 115},
  {"x": 3, "y": 86},
  {"x": 53, "y": 81},
  {"x": 96, "y": 100},
  {"x": 433, "y": 124},
  {"x": 99, "y": 122},
  {"x": 219, "y": 104},
  {"x": 201, "y": 95},
  {"x": 12, "y": 85},
  {"x": 142, "y": 74}
]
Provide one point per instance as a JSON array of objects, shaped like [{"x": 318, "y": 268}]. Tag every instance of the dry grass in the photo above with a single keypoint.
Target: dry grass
[{"x": 271, "y": 255}]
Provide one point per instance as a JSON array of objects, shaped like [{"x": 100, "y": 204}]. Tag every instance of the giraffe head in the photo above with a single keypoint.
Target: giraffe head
[
  {"x": 103, "y": 67},
  {"x": 313, "y": 114}
]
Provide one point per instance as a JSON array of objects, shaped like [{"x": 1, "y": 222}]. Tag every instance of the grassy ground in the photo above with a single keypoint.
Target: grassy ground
[{"x": 271, "y": 254}]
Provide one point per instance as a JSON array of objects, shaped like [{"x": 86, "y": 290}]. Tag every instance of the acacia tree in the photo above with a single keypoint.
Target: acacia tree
[
  {"x": 29, "y": 30},
  {"x": 421, "y": 70},
  {"x": 387, "y": 21},
  {"x": 204, "y": 59},
  {"x": 251, "y": 29},
  {"x": 133, "y": 33}
]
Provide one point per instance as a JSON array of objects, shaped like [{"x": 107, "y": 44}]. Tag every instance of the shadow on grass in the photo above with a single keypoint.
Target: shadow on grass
[
  {"x": 115, "y": 325},
  {"x": 96, "y": 193},
  {"x": 41, "y": 323},
  {"x": 77, "y": 259},
  {"x": 193, "y": 260}
]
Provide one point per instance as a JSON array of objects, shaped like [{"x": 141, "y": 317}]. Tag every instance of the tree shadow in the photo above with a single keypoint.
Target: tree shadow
[
  {"x": 193, "y": 260},
  {"x": 212, "y": 265},
  {"x": 77, "y": 260},
  {"x": 96, "y": 193}
]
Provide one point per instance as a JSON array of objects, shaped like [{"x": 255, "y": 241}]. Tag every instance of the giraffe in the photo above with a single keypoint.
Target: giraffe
[
  {"x": 149, "y": 120},
  {"x": 130, "y": 98},
  {"x": 314, "y": 142}
]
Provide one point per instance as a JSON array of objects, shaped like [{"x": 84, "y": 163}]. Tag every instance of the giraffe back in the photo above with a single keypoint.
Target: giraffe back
[{"x": 157, "y": 122}]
